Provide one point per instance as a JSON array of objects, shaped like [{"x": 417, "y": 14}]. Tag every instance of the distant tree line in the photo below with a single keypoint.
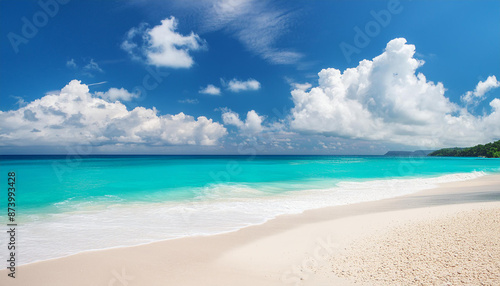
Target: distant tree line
[{"x": 490, "y": 150}]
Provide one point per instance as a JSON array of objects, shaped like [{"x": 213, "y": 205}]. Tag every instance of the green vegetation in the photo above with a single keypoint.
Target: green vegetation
[{"x": 490, "y": 150}]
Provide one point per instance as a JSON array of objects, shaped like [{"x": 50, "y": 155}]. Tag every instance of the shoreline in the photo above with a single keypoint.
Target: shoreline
[
  {"x": 182, "y": 256},
  {"x": 205, "y": 218}
]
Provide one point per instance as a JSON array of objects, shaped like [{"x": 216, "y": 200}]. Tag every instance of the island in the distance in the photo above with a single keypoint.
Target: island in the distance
[{"x": 490, "y": 150}]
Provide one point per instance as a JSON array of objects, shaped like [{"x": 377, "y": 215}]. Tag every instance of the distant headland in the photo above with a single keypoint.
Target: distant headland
[{"x": 490, "y": 150}]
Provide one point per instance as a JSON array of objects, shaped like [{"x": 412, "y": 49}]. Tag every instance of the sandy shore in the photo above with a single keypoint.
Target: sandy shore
[
  {"x": 439, "y": 236},
  {"x": 460, "y": 248}
]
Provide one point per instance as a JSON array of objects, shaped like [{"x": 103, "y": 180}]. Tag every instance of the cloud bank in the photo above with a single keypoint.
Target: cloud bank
[
  {"x": 74, "y": 117},
  {"x": 385, "y": 99}
]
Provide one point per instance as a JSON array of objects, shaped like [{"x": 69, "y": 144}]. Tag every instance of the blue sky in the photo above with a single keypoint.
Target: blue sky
[{"x": 115, "y": 75}]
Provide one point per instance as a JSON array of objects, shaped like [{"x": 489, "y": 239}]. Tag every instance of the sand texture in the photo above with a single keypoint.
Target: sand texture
[{"x": 458, "y": 249}]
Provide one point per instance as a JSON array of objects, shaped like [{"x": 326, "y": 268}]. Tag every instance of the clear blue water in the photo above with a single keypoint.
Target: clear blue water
[
  {"x": 45, "y": 181},
  {"x": 67, "y": 205}
]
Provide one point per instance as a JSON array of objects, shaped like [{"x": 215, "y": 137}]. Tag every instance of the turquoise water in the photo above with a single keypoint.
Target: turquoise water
[
  {"x": 44, "y": 183},
  {"x": 67, "y": 205}
]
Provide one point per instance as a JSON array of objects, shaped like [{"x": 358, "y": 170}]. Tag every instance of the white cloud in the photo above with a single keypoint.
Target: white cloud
[
  {"x": 19, "y": 100},
  {"x": 162, "y": 45},
  {"x": 114, "y": 94},
  {"x": 301, "y": 86},
  {"x": 384, "y": 99},
  {"x": 132, "y": 48},
  {"x": 482, "y": 88},
  {"x": 235, "y": 85},
  {"x": 210, "y": 89},
  {"x": 89, "y": 69},
  {"x": 295, "y": 85},
  {"x": 74, "y": 116},
  {"x": 92, "y": 66},
  {"x": 258, "y": 25},
  {"x": 252, "y": 125},
  {"x": 71, "y": 64}
]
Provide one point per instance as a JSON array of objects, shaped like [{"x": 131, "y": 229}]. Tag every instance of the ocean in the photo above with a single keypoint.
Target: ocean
[{"x": 70, "y": 204}]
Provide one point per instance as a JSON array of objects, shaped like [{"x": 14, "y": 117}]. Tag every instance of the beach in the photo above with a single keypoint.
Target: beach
[
  {"x": 249, "y": 143},
  {"x": 317, "y": 247}
]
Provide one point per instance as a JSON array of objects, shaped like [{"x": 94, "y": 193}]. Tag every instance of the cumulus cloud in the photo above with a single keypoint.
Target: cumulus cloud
[
  {"x": 235, "y": 85},
  {"x": 162, "y": 45},
  {"x": 114, "y": 94},
  {"x": 74, "y": 116},
  {"x": 210, "y": 89},
  {"x": 251, "y": 126},
  {"x": 385, "y": 99},
  {"x": 481, "y": 89}
]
